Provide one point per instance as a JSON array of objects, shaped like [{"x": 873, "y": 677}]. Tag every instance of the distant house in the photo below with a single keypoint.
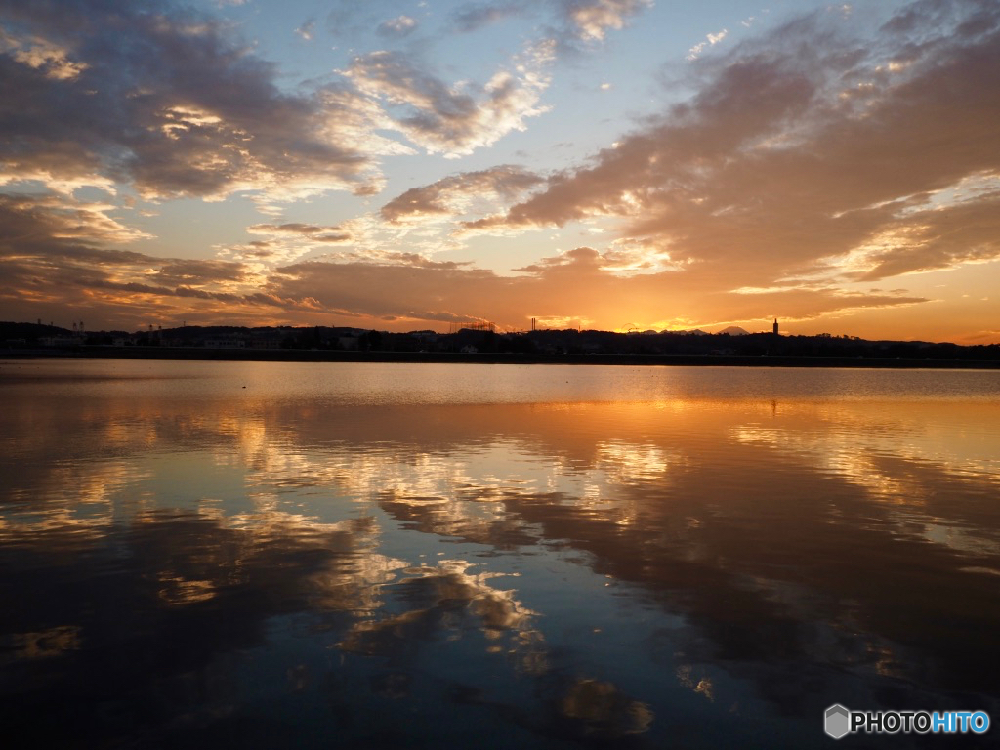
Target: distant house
[
  {"x": 60, "y": 341},
  {"x": 226, "y": 342},
  {"x": 266, "y": 342}
]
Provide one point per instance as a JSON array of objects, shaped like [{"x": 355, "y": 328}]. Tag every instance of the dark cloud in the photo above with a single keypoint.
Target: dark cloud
[
  {"x": 47, "y": 275},
  {"x": 577, "y": 258},
  {"x": 168, "y": 100},
  {"x": 52, "y": 226},
  {"x": 310, "y": 231},
  {"x": 810, "y": 148},
  {"x": 181, "y": 272},
  {"x": 440, "y": 198},
  {"x": 52, "y": 261},
  {"x": 936, "y": 239},
  {"x": 418, "y": 261},
  {"x": 811, "y": 158}
]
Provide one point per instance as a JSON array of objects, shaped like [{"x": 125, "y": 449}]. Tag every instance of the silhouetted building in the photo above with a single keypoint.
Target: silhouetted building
[{"x": 774, "y": 328}]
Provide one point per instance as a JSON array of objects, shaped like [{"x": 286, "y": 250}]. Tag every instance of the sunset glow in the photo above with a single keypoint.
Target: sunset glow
[{"x": 611, "y": 164}]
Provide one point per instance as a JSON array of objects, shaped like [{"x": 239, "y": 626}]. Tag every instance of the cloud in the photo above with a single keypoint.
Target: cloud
[
  {"x": 55, "y": 256},
  {"x": 931, "y": 238},
  {"x": 397, "y": 27},
  {"x": 413, "y": 260},
  {"x": 576, "y": 259},
  {"x": 474, "y": 17},
  {"x": 310, "y": 231},
  {"x": 286, "y": 243},
  {"x": 33, "y": 218},
  {"x": 351, "y": 20},
  {"x": 363, "y": 240},
  {"x": 574, "y": 20},
  {"x": 191, "y": 271},
  {"x": 453, "y": 195},
  {"x": 453, "y": 119},
  {"x": 710, "y": 41},
  {"x": 46, "y": 275},
  {"x": 809, "y": 149},
  {"x": 808, "y": 162},
  {"x": 590, "y": 19},
  {"x": 307, "y": 30},
  {"x": 580, "y": 285},
  {"x": 48, "y": 58},
  {"x": 183, "y": 109}
]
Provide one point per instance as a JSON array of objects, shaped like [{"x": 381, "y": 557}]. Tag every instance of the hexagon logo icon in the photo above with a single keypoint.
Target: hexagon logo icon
[{"x": 836, "y": 721}]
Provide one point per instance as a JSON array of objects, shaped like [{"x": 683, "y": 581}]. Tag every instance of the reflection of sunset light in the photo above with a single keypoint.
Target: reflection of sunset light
[
  {"x": 63, "y": 522},
  {"x": 887, "y": 662},
  {"x": 96, "y": 500},
  {"x": 701, "y": 685},
  {"x": 252, "y": 438},
  {"x": 856, "y": 464},
  {"x": 47, "y": 643},
  {"x": 958, "y": 539},
  {"x": 177, "y": 590},
  {"x": 357, "y": 586},
  {"x": 632, "y": 462},
  {"x": 887, "y": 458}
]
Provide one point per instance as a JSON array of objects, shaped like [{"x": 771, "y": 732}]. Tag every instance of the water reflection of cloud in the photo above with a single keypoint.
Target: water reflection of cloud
[
  {"x": 604, "y": 711},
  {"x": 786, "y": 546},
  {"x": 688, "y": 677},
  {"x": 857, "y": 463},
  {"x": 560, "y": 478},
  {"x": 73, "y": 501},
  {"x": 927, "y": 483},
  {"x": 46, "y": 644},
  {"x": 948, "y": 436},
  {"x": 440, "y": 598}
]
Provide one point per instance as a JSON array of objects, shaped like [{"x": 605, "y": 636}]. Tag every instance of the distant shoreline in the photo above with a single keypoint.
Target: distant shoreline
[{"x": 316, "y": 355}]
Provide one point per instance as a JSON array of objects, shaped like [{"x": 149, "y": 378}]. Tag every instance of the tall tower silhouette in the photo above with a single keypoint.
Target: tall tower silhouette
[{"x": 774, "y": 328}]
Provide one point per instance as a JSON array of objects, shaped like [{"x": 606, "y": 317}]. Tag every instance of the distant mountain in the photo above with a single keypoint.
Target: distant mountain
[
  {"x": 692, "y": 332},
  {"x": 735, "y": 331}
]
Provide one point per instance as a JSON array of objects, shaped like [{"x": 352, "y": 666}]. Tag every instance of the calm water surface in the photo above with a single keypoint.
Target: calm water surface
[{"x": 310, "y": 555}]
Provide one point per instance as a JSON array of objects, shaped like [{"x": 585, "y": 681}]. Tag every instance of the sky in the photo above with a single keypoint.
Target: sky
[{"x": 416, "y": 164}]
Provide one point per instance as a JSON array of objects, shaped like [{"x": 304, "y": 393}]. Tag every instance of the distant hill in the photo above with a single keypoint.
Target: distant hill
[
  {"x": 29, "y": 331},
  {"x": 735, "y": 331}
]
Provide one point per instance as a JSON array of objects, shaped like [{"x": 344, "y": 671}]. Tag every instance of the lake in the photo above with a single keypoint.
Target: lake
[{"x": 318, "y": 555}]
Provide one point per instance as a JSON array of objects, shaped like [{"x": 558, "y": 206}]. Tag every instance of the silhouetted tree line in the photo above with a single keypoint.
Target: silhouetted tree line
[{"x": 538, "y": 343}]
